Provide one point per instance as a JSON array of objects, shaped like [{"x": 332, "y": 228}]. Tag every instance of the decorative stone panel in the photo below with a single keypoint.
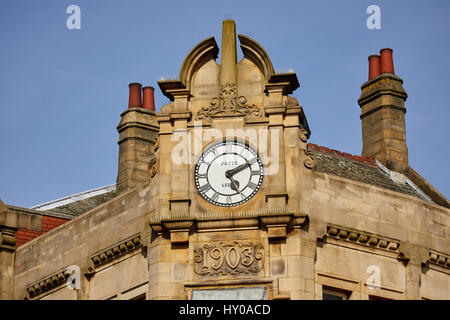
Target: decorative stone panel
[{"x": 228, "y": 258}]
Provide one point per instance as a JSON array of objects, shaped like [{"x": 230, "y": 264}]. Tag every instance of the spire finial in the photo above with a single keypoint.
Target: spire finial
[{"x": 229, "y": 55}]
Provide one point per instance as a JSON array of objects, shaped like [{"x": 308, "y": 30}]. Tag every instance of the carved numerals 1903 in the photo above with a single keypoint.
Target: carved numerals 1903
[{"x": 228, "y": 257}]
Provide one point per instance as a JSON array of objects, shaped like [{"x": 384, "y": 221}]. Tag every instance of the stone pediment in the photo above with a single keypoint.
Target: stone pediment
[{"x": 232, "y": 88}]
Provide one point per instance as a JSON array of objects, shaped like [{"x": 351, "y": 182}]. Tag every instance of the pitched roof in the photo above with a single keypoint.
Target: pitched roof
[
  {"x": 362, "y": 169},
  {"x": 77, "y": 204}
]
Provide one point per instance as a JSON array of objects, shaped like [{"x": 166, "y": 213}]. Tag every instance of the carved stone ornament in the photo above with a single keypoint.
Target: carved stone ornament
[
  {"x": 153, "y": 167},
  {"x": 229, "y": 104},
  {"x": 155, "y": 144},
  {"x": 228, "y": 258},
  {"x": 303, "y": 135},
  {"x": 309, "y": 161},
  {"x": 116, "y": 251}
]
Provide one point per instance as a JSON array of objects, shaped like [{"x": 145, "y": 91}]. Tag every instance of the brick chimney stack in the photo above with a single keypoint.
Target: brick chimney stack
[
  {"x": 383, "y": 113},
  {"x": 138, "y": 130}
]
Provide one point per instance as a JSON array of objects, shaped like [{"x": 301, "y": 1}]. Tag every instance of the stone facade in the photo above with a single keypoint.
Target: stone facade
[{"x": 323, "y": 223}]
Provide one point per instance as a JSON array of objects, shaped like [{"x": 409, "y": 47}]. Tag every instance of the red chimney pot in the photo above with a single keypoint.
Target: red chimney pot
[
  {"x": 374, "y": 66},
  {"x": 149, "y": 98},
  {"x": 134, "y": 100},
  {"x": 387, "y": 62}
]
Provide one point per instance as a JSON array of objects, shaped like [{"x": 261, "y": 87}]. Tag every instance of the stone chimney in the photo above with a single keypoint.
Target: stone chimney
[
  {"x": 138, "y": 131},
  {"x": 383, "y": 113}
]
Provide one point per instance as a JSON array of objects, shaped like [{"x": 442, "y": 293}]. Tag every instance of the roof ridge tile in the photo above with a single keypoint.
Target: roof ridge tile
[{"x": 333, "y": 152}]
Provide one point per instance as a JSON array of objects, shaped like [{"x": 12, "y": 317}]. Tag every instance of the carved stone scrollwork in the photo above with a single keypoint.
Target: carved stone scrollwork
[
  {"x": 228, "y": 258},
  {"x": 153, "y": 167},
  {"x": 309, "y": 161},
  {"x": 228, "y": 104},
  {"x": 155, "y": 145},
  {"x": 303, "y": 135}
]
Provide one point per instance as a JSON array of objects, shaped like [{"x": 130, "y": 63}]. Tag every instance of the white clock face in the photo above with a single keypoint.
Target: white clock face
[{"x": 228, "y": 173}]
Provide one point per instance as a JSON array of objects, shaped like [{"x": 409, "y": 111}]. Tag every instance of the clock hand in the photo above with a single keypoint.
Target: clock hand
[
  {"x": 232, "y": 172},
  {"x": 236, "y": 185}
]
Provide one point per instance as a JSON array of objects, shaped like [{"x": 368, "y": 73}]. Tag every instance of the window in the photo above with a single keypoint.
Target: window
[
  {"x": 246, "y": 293},
  {"x": 334, "y": 294},
  {"x": 139, "y": 297},
  {"x": 378, "y": 298}
]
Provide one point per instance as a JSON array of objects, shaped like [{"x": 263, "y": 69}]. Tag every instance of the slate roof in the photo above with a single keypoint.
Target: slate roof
[
  {"x": 361, "y": 169},
  {"x": 79, "y": 207}
]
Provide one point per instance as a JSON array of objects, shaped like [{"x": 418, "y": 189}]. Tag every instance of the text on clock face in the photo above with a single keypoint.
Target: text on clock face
[{"x": 229, "y": 163}]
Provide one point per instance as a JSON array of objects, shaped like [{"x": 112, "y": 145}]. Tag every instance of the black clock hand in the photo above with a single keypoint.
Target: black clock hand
[
  {"x": 232, "y": 172},
  {"x": 234, "y": 184}
]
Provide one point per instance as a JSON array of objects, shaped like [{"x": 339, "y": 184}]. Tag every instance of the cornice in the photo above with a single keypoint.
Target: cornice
[
  {"x": 365, "y": 241},
  {"x": 116, "y": 251},
  {"x": 48, "y": 283}
]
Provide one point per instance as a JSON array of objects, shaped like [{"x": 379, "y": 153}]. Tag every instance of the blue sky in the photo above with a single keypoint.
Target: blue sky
[{"x": 62, "y": 91}]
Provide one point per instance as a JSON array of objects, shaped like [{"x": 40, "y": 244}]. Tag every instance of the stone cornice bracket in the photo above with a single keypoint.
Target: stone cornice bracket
[
  {"x": 366, "y": 239},
  {"x": 90, "y": 273},
  {"x": 8, "y": 228},
  {"x": 47, "y": 283},
  {"x": 169, "y": 118},
  {"x": 116, "y": 251},
  {"x": 7, "y": 238},
  {"x": 169, "y": 87},
  {"x": 286, "y": 82},
  {"x": 439, "y": 259},
  {"x": 179, "y": 230},
  {"x": 279, "y": 225}
]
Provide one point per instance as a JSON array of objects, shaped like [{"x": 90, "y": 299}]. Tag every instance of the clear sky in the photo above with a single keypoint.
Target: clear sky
[{"x": 62, "y": 91}]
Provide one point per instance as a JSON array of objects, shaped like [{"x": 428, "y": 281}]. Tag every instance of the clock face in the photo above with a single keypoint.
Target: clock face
[{"x": 228, "y": 173}]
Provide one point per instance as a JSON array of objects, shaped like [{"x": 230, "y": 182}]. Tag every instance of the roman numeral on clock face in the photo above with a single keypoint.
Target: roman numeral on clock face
[
  {"x": 215, "y": 196},
  {"x": 202, "y": 176},
  {"x": 256, "y": 172},
  {"x": 251, "y": 185},
  {"x": 205, "y": 187}
]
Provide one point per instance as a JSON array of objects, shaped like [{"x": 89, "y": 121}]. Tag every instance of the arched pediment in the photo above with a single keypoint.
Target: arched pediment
[
  {"x": 255, "y": 52},
  {"x": 201, "y": 53}
]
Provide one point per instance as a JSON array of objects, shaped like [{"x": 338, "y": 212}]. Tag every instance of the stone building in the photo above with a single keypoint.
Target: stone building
[{"x": 220, "y": 196}]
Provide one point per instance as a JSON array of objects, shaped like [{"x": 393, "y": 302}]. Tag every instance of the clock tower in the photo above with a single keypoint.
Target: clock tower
[
  {"x": 219, "y": 196},
  {"x": 226, "y": 172}
]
